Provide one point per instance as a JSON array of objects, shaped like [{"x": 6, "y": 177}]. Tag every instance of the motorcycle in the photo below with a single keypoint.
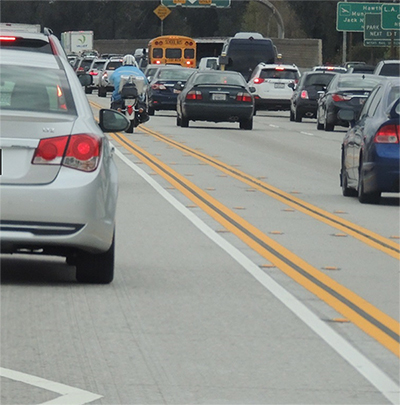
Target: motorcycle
[{"x": 133, "y": 102}]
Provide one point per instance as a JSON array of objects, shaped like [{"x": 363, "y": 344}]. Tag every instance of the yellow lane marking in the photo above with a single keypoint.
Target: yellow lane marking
[
  {"x": 372, "y": 239},
  {"x": 363, "y": 314}
]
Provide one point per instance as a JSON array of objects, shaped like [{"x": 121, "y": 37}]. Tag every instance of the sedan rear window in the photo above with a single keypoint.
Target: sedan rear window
[
  {"x": 175, "y": 74},
  {"x": 318, "y": 80},
  {"x": 40, "y": 90},
  {"x": 215, "y": 78},
  {"x": 279, "y": 74}
]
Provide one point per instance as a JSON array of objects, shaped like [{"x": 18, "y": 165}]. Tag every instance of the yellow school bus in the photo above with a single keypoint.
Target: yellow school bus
[{"x": 173, "y": 50}]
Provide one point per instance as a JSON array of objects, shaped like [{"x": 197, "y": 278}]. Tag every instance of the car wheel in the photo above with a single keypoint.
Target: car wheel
[
  {"x": 184, "y": 122},
  {"x": 88, "y": 90},
  {"x": 329, "y": 127},
  {"x": 363, "y": 197},
  {"x": 102, "y": 92},
  {"x": 346, "y": 191},
  {"x": 96, "y": 268},
  {"x": 291, "y": 116},
  {"x": 297, "y": 116},
  {"x": 246, "y": 124},
  {"x": 151, "y": 111},
  {"x": 178, "y": 121}
]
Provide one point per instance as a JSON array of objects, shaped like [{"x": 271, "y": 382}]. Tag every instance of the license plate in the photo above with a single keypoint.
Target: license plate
[
  {"x": 176, "y": 91},
  {"x": 219, "y": 97},
  {"x": 279, "y": 85}
]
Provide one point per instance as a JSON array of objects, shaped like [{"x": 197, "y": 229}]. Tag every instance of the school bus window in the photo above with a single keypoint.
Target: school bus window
[
  {"x": 188, "y": 53},
  {"x": 173, "y": 53},
  {"x": 157, "y": 53}
]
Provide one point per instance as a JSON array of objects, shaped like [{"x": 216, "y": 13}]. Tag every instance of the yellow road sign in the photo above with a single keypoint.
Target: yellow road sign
[{"x": 162, "y": 12}]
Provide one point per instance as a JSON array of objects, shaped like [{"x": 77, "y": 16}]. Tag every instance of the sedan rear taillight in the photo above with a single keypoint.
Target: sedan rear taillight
[
  {"x": 81, "y": 152},
  {"x": 158, "y": 86},
  {"x": 244, "y": 97},
  {"x": 304, "y": 95},
  {"x": 387, "y": 134},
  {"x": 340, "y": 97},
  {"x": 194, "y": 95}
]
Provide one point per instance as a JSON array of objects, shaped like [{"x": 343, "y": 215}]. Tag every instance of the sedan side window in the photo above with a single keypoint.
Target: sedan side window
[{"x": 365, "y": 112}]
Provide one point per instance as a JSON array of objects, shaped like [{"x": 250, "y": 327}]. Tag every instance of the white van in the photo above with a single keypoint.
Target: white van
[{"x": 209, "y": 63}]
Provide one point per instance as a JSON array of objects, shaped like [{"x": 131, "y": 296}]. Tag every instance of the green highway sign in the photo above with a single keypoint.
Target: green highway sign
[
  {"x": 350, "y": 16},
  {"x": 197, "y": 3},
  {"x": 375, "y": 35},
  {"x": 391, "y": 16}
]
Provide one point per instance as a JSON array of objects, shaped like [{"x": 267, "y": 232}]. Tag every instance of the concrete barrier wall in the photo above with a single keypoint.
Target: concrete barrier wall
[{"x": 305, "y": 53}]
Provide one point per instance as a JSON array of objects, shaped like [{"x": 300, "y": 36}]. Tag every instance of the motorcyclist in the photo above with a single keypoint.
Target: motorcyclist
[{"x": 128, "y": 68}]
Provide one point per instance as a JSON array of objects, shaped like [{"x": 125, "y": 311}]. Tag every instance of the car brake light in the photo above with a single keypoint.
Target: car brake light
[
  {"x": 81, "y": 152},
  {"x": 7, "y": 38},
  {"x": 258, "y": 80},
  {"x": 304, "y": 95},
  {"x": 50, "y": 151},
  {"x": 158, "y": 86},
  {"x": 194, "y": 95},
  {"x": 340, "y": 97},
  {"x": 92, "y": 73},
  {"x": 387, "y": 134},
  {"x": 243, "y": 97}
]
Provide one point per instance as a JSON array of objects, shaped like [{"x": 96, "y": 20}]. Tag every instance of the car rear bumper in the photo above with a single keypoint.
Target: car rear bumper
[
  {"x": 271, "y": 104},
  {"x": 76, "y": 211},
  {"x": 163, "y": 102},
  {"x": 307, "y": 108},
  {"x": 382, "y": 176},
  {"x": 217, "y": 113}
]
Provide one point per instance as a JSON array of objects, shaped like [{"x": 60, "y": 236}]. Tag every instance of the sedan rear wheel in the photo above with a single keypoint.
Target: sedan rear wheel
[
  {"x": 96, "y": 268},
  {"x": 102, "y": 92},
  {"x": 366, "y": 198},
  {"x": 246, "y": 124},
  {"x": 184, "y": 122},
  {"x": 178, "y": 121}
]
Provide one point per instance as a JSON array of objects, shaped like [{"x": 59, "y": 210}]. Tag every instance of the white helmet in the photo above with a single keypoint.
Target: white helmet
[{"x": 129, "y": 60}]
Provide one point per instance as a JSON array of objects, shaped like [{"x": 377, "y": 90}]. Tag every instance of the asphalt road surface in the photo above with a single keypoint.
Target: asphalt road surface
[{"x": 243, "y": 276}]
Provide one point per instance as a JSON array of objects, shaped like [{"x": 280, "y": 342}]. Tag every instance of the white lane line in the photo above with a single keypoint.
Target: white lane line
[
  {"x": 306, "y": 133},
  {"x": 69, "y": 395},
  {"x": 274, "y": 126},
  {"x": 363, "y": 365}
]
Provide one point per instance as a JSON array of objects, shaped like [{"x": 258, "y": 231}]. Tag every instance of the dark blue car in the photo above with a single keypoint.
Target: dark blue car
[
  {"x": 370, "y": 148},
  {"x": 163, "y": 90}
]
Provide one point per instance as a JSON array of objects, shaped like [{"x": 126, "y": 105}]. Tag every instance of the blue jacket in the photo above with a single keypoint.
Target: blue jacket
[{"x": 115, "y": 78}]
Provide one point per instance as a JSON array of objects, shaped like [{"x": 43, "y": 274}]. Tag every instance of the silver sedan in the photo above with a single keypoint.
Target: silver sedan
[{"x": 59, "y": 182}]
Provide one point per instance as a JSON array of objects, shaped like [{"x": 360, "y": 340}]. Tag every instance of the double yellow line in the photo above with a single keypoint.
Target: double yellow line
[{"x": 357, "y": 310}]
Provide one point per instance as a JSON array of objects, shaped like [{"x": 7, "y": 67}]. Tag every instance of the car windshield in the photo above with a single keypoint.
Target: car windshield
[
  {"x": 278, "y": 74},
  {"x": 390, "y": 69},
  {"x": 48, "y": 92},
  {"x": 318, "y": 80},
  {"x": 174, "y": 74},
  {"x": 98, "y": 65},
  {"x": 214, "y": 78},
  {"x": 359, "y": 83}
]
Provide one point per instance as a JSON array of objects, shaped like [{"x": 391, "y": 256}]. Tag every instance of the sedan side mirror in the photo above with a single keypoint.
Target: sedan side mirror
[{"x": 112, "y": 121}]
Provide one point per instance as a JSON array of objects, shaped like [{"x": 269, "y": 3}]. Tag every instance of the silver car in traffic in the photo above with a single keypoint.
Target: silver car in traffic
[{"x": 58, "y": 184}]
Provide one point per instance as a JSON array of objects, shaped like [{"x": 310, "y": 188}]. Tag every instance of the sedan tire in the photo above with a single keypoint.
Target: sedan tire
[
  {"x": 184, "y": 122},
  {"x": 366, "y": 198},
  {"x": 346, "y": 191},
  {"x": 96, "y": 268},
  {"x": 246, "y": 124},
  {"x": 102, "y": 92}
]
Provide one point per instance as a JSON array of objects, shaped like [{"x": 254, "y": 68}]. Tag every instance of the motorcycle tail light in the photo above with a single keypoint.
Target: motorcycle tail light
[
  {"x": 80, "y": 152},
  {"x": 246, "y": 97},
  {"x": 129, "y": 108},
  {"x": 387, "y": 134}
]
